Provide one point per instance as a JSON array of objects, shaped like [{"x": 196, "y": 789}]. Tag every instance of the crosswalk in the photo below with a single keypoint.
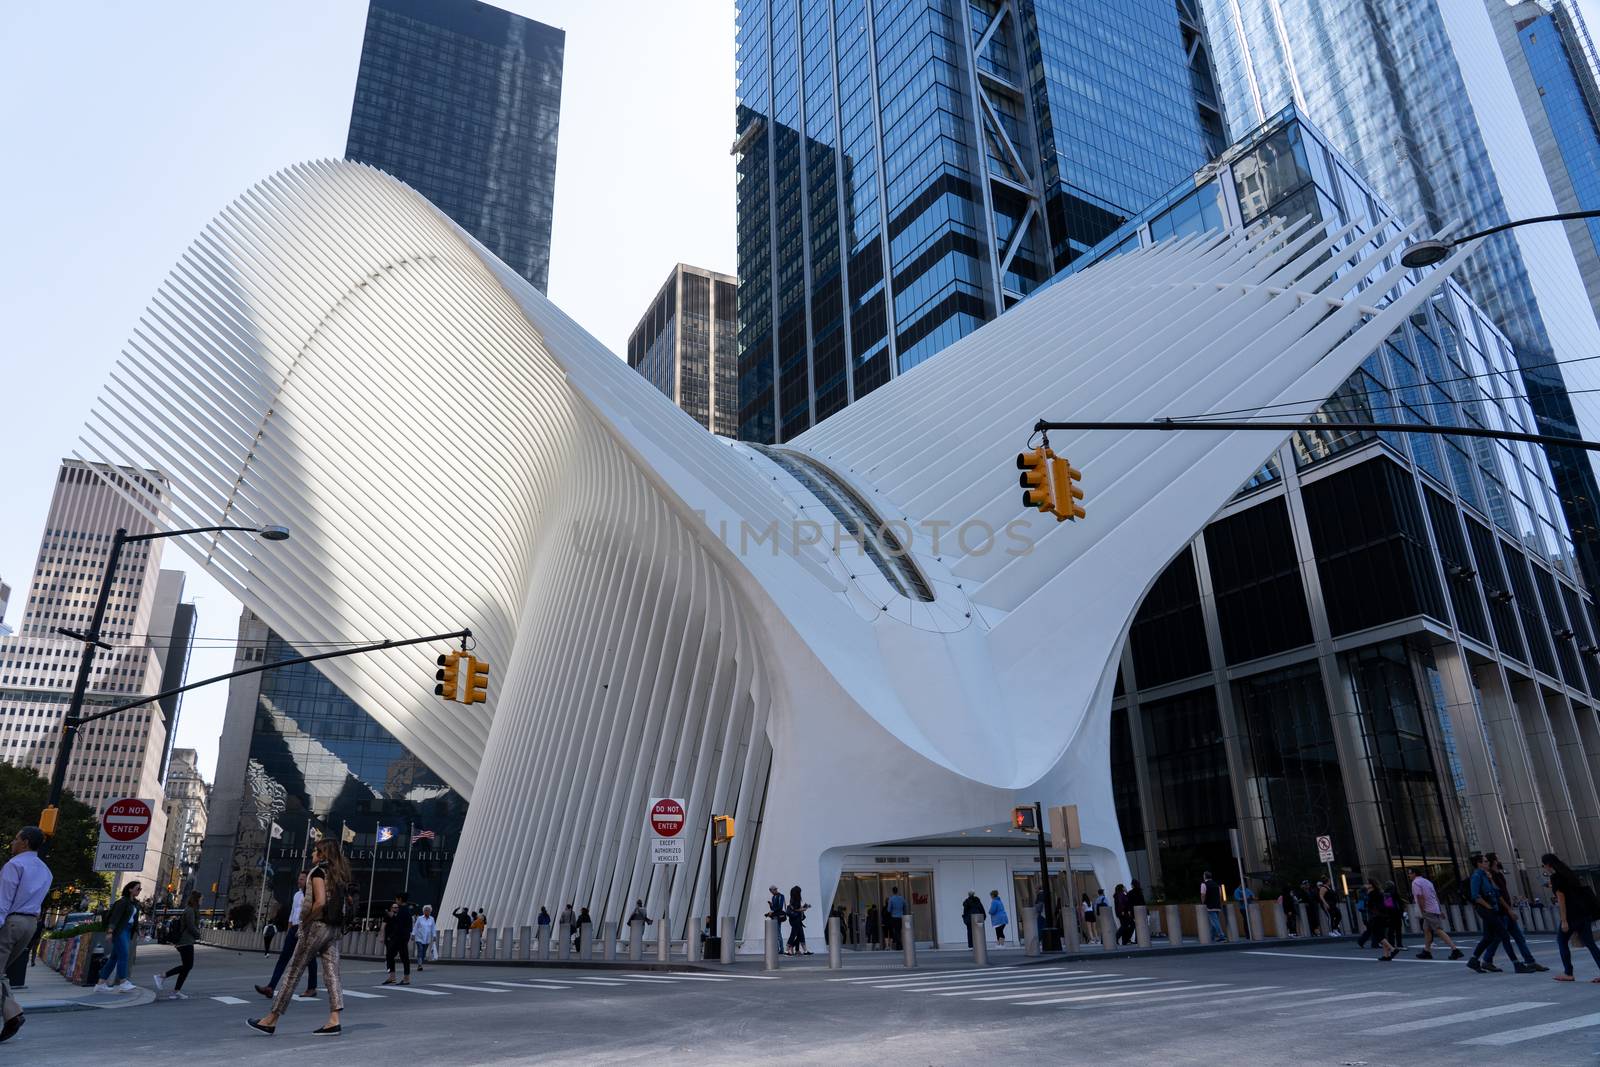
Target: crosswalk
[
  {"x": 492, "y": 986},
  {"x": 1471, "y": 1017}
]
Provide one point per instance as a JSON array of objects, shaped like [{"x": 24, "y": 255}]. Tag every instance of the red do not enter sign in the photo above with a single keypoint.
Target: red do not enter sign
[
  {"x": 126, "y": 820},
  {"x": 666, "y": 817}
]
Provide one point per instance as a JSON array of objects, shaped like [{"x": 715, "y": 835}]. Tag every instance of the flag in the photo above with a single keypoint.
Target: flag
[
  {"x": 348, "y": 835},
  {"x": 421, "y": 835},
  {"x": 385, "y": 833},
  {"x": 277, "y": 831},
  {"x": 313, "y": 833}
]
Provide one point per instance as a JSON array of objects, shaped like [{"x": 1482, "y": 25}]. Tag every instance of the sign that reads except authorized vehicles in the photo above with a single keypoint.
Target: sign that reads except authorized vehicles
[
  {"x": 1324, "y": 848},
  {"x": 124, "y": 835},
  {"x": 666, "y": 819}
]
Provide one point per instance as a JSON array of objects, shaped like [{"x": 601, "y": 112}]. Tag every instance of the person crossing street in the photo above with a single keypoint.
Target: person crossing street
[
  {"x": 1485, "y": 897},
  {"x": 291, "y": 938},
  {"x": 397, "y": 938},
  {"x": 422, "y": 934},
  {"x": 328, "y": 887},
  {"x": 1508, "y": 918},
  {"x": 24, "y": 881},
  {"x": 1430, "y": 914}
]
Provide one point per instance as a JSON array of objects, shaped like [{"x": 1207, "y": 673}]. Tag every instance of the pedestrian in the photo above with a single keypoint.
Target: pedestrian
[
  {"x": 1085, "y": 915},
  {"x": 1135, "y": 901},
  {"x": 268, "y": 932},
  {"x": 1430, "y": 915},
  {"x": 796, "y": 914},
  {"x": 1328, "y": 896},
  {"x": 1365, "y": 920},
  {"x": 971, "y": 907},
  {"x": 24, "y": 883},
  {"x": 1211, "y": 897},
  {"x": 397, "y": 939},
  {"x": 1290, "y": 918},
  {"x": 1308, "y": 897},
  {"x": 463, "y": 918},
  {"x": 997, "y": 916},
  {"x": 896, "y": 908},
  {"x": 422, "y": 933},
  {"x": 1576, "y": 910},
  {"x": 1244, "y": 895},
  {"x": 1124, "y": 913},
  {"x": 291, "y": 938},
  {"x": 1384, "y": 907},
  {"x": 187, "y": 933},
  {"x": 543, "y": 922},
  {"x": 1485, "y": 897},
  {"x": 569, "y": 919},
  {"x": 480, "y": 920},
  {"x": 777, "y": 909},
  {"x": 327, "y": 888},
  {"x": 577, "y": 928},
  {"x": 1508, "y": 917},
  {"x": 639, "y": 915},
  {"x": 121, "y": 921}
]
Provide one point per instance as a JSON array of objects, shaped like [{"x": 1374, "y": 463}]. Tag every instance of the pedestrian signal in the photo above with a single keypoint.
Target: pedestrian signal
[
  {"x": 1025, "y": 818},
  {"x": 477, "y": 682},
  {"x": 721, "y": 829},
  {"x": 449, "y": 668}
]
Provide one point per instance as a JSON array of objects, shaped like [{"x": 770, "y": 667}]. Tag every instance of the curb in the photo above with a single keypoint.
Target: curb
[
  {"x": 1133, "y": 952},
  {"x": 613, "y": 965}
]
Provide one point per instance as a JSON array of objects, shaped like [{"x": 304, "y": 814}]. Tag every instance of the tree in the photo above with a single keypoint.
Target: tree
[{"x": 71, "y": 857}]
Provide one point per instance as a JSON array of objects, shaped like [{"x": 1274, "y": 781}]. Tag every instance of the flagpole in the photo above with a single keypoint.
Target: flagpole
[
  {"x": 372, "y": 879},
  {"x": 306, "y": 858},
  {"x": 411, "y": 839}
]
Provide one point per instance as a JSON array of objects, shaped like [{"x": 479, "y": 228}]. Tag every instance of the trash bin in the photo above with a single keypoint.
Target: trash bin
[{"x": 97, "y": 960}]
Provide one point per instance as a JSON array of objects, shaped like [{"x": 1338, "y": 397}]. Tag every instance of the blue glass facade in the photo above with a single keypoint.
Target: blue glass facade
[
  {"x": 1567, "y": 91},
  {"x": 316, "y": 755},
  {"x": 1383, "y": 81},
  {"x": 908, "y": 169},
  {"x": 462, "y": 101}
]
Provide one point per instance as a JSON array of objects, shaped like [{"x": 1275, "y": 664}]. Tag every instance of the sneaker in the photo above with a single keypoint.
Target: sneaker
[
  {"x": 1474, "y": 965},
  {"x": 1492, "y": 969},
  {"x": 175, "y": 995},
  {"x": 255, "y": 1024},
  {"x": 1537, "y": 967},
  {"x": 160, "y": 981},
  {"x": 1424, "y": 955},
  {"x": 1521, "y": 968},
  {"x": 101, "y": 987},
  {"x": 125, "y": 987},
  {"x": 1456, "y": 954}
]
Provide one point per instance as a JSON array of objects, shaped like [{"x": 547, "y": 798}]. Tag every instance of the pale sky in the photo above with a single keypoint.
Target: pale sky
[{"x": 127, "y": 126}]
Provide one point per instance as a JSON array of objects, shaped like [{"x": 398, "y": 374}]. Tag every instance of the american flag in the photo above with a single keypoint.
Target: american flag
[{"x": 421, "y": 835}]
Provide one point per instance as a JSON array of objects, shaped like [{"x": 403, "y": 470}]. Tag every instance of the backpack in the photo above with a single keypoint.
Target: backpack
[{"x": 174, "y": 927}]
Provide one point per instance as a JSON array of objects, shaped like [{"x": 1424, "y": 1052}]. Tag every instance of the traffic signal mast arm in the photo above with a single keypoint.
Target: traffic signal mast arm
[{"x": 1044, "y": 425}]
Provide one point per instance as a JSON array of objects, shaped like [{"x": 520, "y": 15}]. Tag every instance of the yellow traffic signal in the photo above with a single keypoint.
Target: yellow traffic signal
[
  {"x": 1035, "y": 479},
  {"x": 1067, "y": 494},
  {"x": 449, "y": 667},
  {"x": 47, "y": 820},
  {"x": 477, "y": 682},
  {"x": 721, "y": 829}
]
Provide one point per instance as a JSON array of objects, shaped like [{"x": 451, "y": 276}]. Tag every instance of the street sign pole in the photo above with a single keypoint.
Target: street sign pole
[
  {"x": 713, "y": 943},
  {"x": 1049, "y": 932}
]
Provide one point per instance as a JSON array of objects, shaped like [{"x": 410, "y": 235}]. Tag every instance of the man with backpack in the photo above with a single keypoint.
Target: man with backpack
[{"x": 1211, "y": 897}]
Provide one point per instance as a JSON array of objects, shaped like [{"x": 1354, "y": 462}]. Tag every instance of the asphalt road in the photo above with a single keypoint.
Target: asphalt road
[{"x": 1282, "y": 1003}]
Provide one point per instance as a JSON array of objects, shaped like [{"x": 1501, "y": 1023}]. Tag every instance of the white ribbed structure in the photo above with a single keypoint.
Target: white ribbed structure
[{"x": 450, "y": 449}]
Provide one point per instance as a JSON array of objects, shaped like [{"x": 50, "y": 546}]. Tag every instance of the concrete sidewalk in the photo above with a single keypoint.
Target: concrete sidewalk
[{"x": 47, "y": 991}]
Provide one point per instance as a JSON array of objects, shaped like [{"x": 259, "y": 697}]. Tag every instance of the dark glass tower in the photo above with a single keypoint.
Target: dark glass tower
[
  {"x": 908, "y": 169},
  {"x": 462, "y": 101}
]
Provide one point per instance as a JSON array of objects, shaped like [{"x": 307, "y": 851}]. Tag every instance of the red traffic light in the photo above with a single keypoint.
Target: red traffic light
[{"x": 1024, "y": 818}]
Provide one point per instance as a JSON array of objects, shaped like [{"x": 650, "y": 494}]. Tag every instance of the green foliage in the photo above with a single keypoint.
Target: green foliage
[
  {"x": 74, "y": 931},
  {"x": 71, "y": 856}
]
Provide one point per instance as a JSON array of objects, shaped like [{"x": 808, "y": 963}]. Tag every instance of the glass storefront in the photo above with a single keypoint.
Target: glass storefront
[{"x": 864, "y": 896}]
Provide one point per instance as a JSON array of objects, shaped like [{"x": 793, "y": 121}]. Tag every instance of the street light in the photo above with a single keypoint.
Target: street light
[
  {"x": 92, "y": 640},
  {"x": 1427, "y": 253}
]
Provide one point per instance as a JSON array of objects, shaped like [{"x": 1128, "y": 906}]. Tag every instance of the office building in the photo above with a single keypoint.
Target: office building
[
  {"x": 1419, "y": 96},
  {"x": 907, "y": 171},
  {"x": 462, "y": 102},
  {"x": 858, "y": 645},
  {"x": 187, "y": 795},
  {"x": 1381, "y": 638},
  {"x": 146, "y": 623},
  {"x": 686, "y": 345},
  {"x": 297, "y": 752},
  {"x": 5, "y": 600}
]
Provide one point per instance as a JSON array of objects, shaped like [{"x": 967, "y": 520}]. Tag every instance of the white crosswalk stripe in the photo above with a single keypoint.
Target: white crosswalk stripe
[
  {"x": 668, "y": 977},
  {"x": 1376, "y": 1009},
  {"x": 1528, "y": 1033},
  {"x": 362, "y": 996},
  {"x": 1255, "y": 1000},
  {"x": 1142, "y": 991},
  {"x": 976, "y": 980},
  {"x": 464, "y": 988},
  {"x": 229, "y": 1000},
  {"x": 1158, "y": 997},
  {"x": 1459, "y": 1017},
  {"x": 1050, "y": 990},
  {"x": 1019, "y": 983},
  {"x": 419, "y": 991}
]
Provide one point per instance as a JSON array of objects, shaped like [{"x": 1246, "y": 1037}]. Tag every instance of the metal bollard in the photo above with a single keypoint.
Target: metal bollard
[
  {"x": 1071, "y": 938},
  {"x": 1230, "y": 912},
  {"x": 663, "y": 937},
  {"x": 770, "y": 946},
  {"x": 1455, "y": 919},
  {"x": 1141, "y": 925},
  {"x": 1107, "y": 924},
  {"x": 1172, "y": 923},
  {"x": 727, "y": 939},
  {"x": 1030, "y": 932},
  {"x": 525, "y": 937},
  {"x": 447, "y": 944},
  {"x": 908, "y": 936},
  {"x": 635, "y": 939},
  {"x": 475, "y": 944},
  {"x": 835, "y": 943},
  {"x": 508, "y": 941},
  {"x": 980, "y": 947},
  {"x": 1202, "y": 924},
  {"x": 1302, "y": 920},
  {"x": 1258, "y": 929},
  {"x": 543, "y": 945},
  {"x": 608, "y": 941},
  {"x": 694, "y": 948}
]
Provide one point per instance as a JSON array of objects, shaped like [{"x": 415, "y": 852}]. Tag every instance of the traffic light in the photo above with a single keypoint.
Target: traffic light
[
  {"x": 477, "y": 682},
  {"x": 47, "y": 820},
  {"x": 449, "y": 667},
  {"x": 1035, "y": 479},
  {"x": 1024, "y": 818},
  {"x": 721, "y": 829},
  {"x": 1067, "y": 494}
]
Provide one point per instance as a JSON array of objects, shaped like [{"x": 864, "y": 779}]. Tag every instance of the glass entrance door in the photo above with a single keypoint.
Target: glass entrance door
[{"x": 864, "y": 898}]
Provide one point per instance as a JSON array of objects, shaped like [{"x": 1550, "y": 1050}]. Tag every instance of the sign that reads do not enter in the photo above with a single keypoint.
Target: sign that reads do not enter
[
  {"x": 124, "y": 835},
  {"x": 666, "y": 820}
]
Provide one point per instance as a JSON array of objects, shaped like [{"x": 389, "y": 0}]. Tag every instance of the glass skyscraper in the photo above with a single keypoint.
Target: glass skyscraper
[
  {"x": 462, "y": 101},
  {"x": 686, "y": 344},
  {"x": 908, "y": 169},
  {"x": 1397, "y": 86}
]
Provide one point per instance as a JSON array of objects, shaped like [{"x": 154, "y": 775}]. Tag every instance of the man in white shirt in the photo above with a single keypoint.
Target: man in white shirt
[
  {"x": 422, "y": 933},
  {"x": 291, "y": 938},
  {"x": 23, "y": 884}
]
